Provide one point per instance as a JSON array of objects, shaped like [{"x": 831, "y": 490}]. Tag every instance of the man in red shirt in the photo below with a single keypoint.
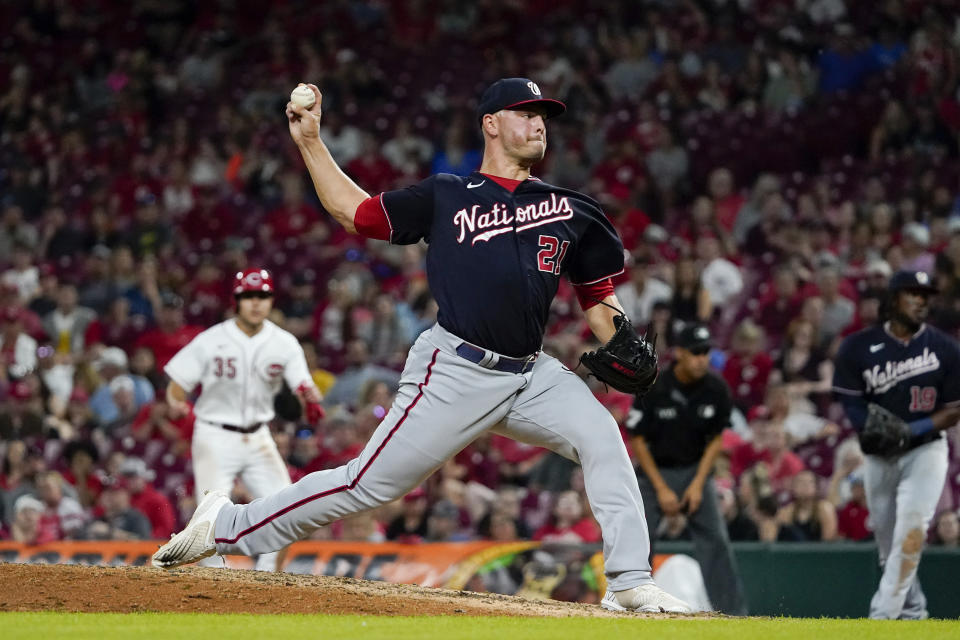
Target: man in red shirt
[
  {"x": 852, "y": 517},
  {"x": 147, "y": 500},
  {"x": 770, "y": 447},
  {"x": 171, "y": 333}
]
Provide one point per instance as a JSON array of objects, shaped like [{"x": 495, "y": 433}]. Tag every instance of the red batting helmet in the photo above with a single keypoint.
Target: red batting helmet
[{"x": 250, "y": 280}]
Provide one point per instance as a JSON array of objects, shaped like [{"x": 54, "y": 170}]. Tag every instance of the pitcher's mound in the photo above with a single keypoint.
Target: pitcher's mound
[{"x": 125, "y": 589}]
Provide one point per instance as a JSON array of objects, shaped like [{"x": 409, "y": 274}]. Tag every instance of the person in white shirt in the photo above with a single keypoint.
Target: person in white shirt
[
  {"x": 21, "y": 358},
  {"x": 241, "y": 365},
  {"x": 643, "y": 291},
  {"x": 720, "y": 277}
]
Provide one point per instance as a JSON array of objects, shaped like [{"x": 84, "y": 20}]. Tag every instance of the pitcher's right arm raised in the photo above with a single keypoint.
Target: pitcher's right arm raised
[{"x": 339, "y": 194}]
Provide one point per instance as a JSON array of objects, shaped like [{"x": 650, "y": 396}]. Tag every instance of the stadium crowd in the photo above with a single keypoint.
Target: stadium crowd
[{"x": 768, "y": 163}]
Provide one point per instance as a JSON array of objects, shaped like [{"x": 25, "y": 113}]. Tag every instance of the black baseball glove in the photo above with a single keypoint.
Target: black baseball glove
[
  {"x": 884, "y": 434},
  {"x": 627, "y": 362}
]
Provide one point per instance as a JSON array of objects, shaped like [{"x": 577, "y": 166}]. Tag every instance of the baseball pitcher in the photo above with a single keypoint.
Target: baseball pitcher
[{"x": 499, "y": 242}]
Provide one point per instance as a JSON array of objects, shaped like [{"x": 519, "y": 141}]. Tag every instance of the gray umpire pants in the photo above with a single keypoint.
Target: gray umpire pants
[
  {"x": 710, "y": 540},
  {"x": 444, "y": 403}
]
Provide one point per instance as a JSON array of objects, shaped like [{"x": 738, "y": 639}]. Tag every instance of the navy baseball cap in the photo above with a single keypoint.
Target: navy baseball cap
[
  {"x": 514, "y": 93},
  {"x": 911, "y": 281},
  {"x": 695, "y": 337}
]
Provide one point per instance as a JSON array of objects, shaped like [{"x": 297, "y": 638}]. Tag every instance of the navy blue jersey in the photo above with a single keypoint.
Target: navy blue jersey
[
  {"x": 495, "y": 258},
  {"x": 912, "y": 380}
]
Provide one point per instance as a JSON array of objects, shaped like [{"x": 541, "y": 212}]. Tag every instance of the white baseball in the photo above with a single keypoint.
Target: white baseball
[{"x": 303, "y": 96}]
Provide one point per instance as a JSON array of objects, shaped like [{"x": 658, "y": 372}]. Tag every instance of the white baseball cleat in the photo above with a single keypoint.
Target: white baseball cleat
[
  {"x": 195, "y": 542},
  {"x": 647, "y": 598}
]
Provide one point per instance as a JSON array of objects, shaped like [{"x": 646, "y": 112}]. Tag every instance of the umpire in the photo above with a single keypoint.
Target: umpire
[{"x": 675, "y": 434}]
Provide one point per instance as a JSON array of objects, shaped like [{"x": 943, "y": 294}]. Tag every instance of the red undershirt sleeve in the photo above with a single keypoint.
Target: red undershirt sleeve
[
  {"x": 371, "y": 219},
  {"x": 589, "y": 295}
]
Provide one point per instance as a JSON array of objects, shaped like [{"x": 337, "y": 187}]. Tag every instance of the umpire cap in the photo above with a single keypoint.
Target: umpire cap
[
  {"x": 515, "y": 93},
  {"x": 911, "y": 281},
  {"x": 695, "y": 338}
]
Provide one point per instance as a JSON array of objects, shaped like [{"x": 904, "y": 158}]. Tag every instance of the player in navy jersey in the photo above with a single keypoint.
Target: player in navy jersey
[
  {"x": 499, "y": 240},
  {"x": 912, "y": 370}
]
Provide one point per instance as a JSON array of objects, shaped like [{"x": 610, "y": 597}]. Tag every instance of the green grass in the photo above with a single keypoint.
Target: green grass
[{"x": 145, "y": 626}]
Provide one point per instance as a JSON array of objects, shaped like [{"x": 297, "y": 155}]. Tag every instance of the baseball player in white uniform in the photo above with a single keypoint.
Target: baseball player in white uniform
[{"x": 240, "y": 365}]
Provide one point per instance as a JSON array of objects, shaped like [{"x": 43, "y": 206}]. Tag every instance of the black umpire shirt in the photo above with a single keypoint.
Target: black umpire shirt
[{"x": 678, "y": 421}]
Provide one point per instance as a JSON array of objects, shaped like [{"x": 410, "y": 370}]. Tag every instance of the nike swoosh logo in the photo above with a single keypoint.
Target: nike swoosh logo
[
  {"x": 470, "y": 185},
  {"x": 876, "y": 347}
]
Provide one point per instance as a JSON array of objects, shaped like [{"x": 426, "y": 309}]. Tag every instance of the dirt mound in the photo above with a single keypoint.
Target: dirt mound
[{"x": 125, "y": 589}]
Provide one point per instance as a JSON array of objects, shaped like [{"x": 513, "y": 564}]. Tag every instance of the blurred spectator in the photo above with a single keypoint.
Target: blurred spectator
[
  {"x": 740, "y": 527},
  {"x": 294, "y": 217},
  {"x": 370, "y": 168},
  {"x": 21, "y": 477},
  {"x": 838, "y": 311},
  {"x": 98, "y": 289},
  {"x": 800, "y": 425},
  {"x": 23, "y": 275},
  {"x": 506, "y": 507},
  {"x": 891, "y": 135},
  {"x": 808, "y": 517},
  {"x": 457, "y": 155},
  {"x": 144, "y": 365},
  {"x": 146, "y": 499},
  {"x": 63, "y": 517},
  {"x": 26, "y": 528},
  {"x": 117, "y": 327},
  {"x": 443, "y": 524},
  {"x": 406, "y": 150},
  {"x": 22, "y": 413},
  {"x": 67, "y": 324},
  {"x": 502, "y": 528},
  {"x": 112, "y": 365},
  {"x": 914, "y": 244},
  {"x": 802, "y": 366},
  {"x": 362, "y": 527},
  {"x": 15, "y": 232},
  {"x": 767, "y": 448},
  {"x": 727, "y": 202},
  {"x": 568, "y": 523},
  {"x": 340, "y": 446},
  {"x": 667, "y": 164},
  {"x": 411, "y": 525},
  {"x": 791, "y": 83},
  {"x": 639, "y": 294},
  {"x": 342, "y": 139},
  {"x": 299, "y": 305},
  {"x": 81, "y": 457},
  {"x": 171, "y": 333},
  {"x": 946, "y": 529},
  {"x": 18, "y": 351},
  {"x": 852, "y": 516},
  {"x": 388, "y": 334},
  {"x": 155, "y": 421},
  {"x": 116, "y": 519},
  {"x": 781, "y": 305},
  {"x": 720, "y": 278},
  {"x": 843, "y": 65},
  {"x": 748, "y": 366},
  {"x": 46, "y": 299},
  {"x": 346, "y": 390}
]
